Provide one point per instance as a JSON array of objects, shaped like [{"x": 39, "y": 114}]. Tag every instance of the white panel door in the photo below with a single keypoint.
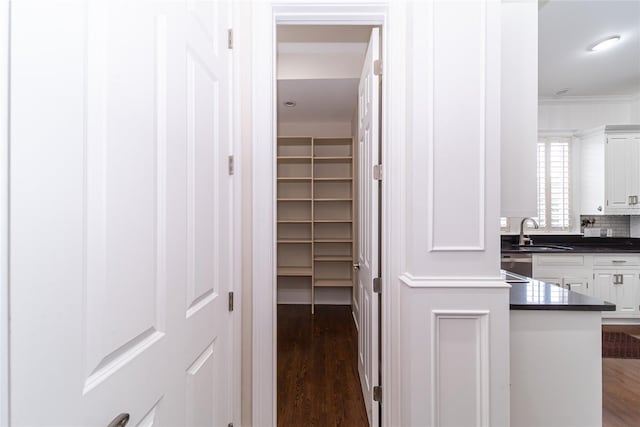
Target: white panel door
[
  {"x": 368, "y": 239},
  {"x": 120, "y": 206}
]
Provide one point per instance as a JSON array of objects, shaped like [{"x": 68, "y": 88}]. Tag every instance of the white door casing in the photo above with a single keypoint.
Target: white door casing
[
  {"x": 121, "y": 213},
  {"x": 368, "y": 239}
]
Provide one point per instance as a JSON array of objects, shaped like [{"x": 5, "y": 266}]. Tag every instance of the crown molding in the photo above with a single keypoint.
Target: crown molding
[{"x": 606, "y": 99}]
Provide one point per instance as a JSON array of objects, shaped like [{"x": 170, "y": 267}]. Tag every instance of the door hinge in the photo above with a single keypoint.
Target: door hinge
[
  {"x": 377, "y": 67},
  {"x": 230, "y": 38},
  {"x": 231, "y": 165},
  {"x": 231, "y": 301},
  {"x": 377, "y": 285},
  {"x": 377, "y": 172},
  {"x": 377, "y": 393}
]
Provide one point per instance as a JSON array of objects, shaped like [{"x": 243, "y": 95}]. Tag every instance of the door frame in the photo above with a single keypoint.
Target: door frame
[
  {"x": 4, "y": 210},
  {"x": 266, "y": 15}
]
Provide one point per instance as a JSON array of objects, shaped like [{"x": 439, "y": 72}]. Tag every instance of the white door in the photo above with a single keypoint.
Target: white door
[
  {"x": 368, "y": 157},
  {"x": 120, "y": 198}
]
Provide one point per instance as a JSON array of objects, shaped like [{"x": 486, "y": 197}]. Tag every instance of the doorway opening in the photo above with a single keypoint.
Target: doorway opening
[{"x": 328, "y": 98}]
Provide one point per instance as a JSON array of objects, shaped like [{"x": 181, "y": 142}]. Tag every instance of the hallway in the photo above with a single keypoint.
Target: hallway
[{"x": 318, "y": 382}]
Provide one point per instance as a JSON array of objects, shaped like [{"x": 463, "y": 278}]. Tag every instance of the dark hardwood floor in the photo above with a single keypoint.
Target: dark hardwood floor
[
  {"x": 318, "y": 383},
  {"x": 621, "y": 387}
]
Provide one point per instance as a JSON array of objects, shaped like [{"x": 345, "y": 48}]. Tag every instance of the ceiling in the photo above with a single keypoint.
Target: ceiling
[
  {"x": 319, "y": 69},
  {"x": 567, "y": 28},
  {"x": 317, "y": 100}
]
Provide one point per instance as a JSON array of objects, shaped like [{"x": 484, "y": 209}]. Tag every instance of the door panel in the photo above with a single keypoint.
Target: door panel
[
  {"x": 121, "y": 245},
  {"x": 368, "y": 194},
  {"x": 626, "y": 292}
]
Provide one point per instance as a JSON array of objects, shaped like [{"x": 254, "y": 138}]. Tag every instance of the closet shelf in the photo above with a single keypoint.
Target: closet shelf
[
  {"x": 294, "y": 271},
  {"x": 338, "y": 283},
  {"x": 315, "y": 240},
  {"x": 335, "y": 258}
]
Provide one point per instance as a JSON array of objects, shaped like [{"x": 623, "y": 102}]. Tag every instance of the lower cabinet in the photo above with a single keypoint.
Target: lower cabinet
[
  {"x": 614, "y": 278},
  {"x": 568, "y": 271},
  {"x": 619, "y": 287}
]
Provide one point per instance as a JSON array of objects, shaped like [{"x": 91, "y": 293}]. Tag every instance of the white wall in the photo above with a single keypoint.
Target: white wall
[
  {"x": 4, "y": 212},
  {"x": 580, "y": 113},
  {"x": 317, "y": 129},
  {"x": 635, "y": 109},
  {"x": 308, "y": 61}
]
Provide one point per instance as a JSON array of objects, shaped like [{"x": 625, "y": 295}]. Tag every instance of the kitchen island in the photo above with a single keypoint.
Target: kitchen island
[{"x": 556, "y": 355}]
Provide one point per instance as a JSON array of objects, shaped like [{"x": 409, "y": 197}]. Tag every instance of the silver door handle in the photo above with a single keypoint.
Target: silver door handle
[
  {"x": 119, "y": 421},
  {"x": 356, "y": 267},
  {"x": 618, "y": 261}
]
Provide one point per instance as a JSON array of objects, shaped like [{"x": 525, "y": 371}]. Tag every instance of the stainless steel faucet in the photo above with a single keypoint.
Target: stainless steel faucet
[{"x": 525, "y": 240}]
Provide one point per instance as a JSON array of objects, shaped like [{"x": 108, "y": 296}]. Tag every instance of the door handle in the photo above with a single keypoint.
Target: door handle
[
  {"x": 356, "y": 267},
  {"x": 119, "y": 421}
]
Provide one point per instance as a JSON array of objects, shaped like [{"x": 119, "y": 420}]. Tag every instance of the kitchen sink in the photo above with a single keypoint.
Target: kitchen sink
[
  {"x": 538, "y": 248},
  {"x": 551, "y": 247}
]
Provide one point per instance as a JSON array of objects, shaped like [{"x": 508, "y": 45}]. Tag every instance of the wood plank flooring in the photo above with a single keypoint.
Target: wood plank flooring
[
  {"x": 318, "y": 383},
  {"x": 621, "y": 386}
]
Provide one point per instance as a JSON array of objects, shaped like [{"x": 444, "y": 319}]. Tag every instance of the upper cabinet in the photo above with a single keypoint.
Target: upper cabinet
[
  {"x": 519, "y": 108},
  {"x": 610, "y": 170}
]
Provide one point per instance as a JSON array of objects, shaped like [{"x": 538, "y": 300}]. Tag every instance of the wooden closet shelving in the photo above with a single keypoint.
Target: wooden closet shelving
[{"x": 315, "y": 217}]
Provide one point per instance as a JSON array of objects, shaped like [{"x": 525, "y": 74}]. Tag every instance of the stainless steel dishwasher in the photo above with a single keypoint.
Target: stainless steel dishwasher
[{"x": 518, "y": 263}]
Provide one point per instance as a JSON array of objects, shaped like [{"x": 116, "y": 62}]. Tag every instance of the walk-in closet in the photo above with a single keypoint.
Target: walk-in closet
[{"x": 319, "y": 70}]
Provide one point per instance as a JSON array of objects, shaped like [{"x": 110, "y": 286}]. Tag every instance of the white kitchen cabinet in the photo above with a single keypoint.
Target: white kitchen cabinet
[
  {"x": 612, "y": 277},
  {"x": 619, "y": 287},
  {"x": 609, "y": 170},
  {"x": 568, "y": 271}
]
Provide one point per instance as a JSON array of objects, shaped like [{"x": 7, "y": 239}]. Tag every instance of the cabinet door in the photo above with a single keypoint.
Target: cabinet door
[
  {"x": 626, "y": 300},
  {"x": 603, "y": 285},
  {"x": 577, "y": 284},
  {"x": 554, "y": 280},
  {"x": 618, "y": 170}
]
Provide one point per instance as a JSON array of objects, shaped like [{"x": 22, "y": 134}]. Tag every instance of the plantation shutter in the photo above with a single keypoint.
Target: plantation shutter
[{"x": 554, "y": 183}]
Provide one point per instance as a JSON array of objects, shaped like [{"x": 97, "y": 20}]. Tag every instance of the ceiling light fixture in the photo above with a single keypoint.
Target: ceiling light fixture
[
  {"x": 604, "y": 44},
  {"x": 290, "y": 104}
]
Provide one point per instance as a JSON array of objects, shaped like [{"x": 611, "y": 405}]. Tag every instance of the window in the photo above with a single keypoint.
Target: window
[{"x": 553, "y": 183}]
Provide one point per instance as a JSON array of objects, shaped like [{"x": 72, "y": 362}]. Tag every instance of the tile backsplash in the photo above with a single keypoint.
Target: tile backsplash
[{"x": 620, "y": 225}]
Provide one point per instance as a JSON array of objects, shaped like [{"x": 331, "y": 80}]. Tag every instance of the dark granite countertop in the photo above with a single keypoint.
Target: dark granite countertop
[
  {"x": 568, "y": 244},
  {"x": 531, "y": 294}
]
